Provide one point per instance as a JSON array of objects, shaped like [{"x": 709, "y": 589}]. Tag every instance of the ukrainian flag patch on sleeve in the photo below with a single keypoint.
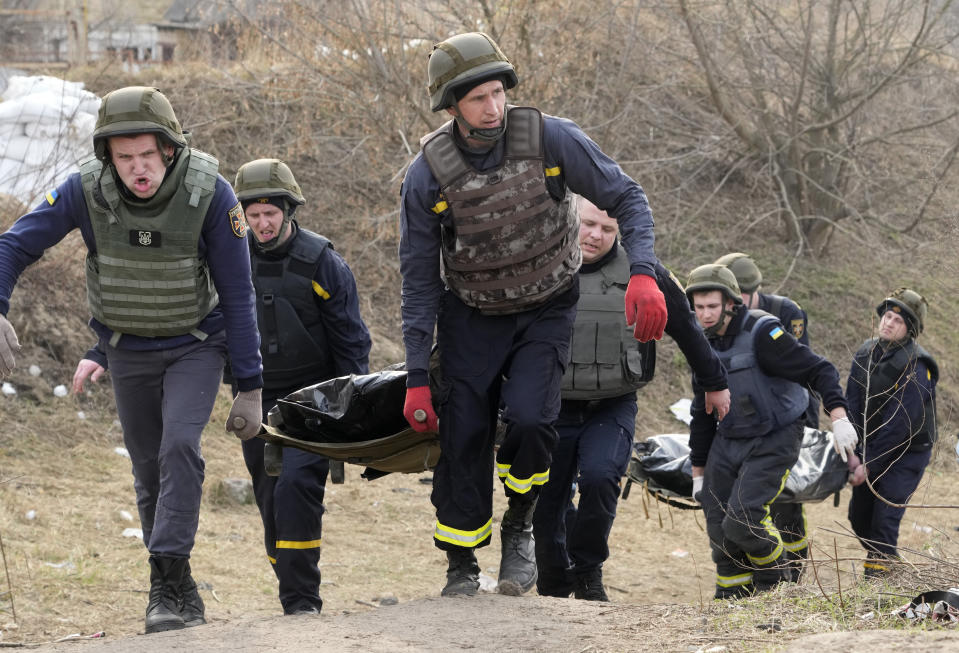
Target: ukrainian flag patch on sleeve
[
  {"x": 52, "y": 197},
  {"x": 776, "y": 332}
]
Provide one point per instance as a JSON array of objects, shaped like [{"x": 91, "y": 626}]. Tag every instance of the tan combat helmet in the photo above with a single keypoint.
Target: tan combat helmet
[
  {"x": 713, "y": 277},
  {"x": 744, "y": 268},
  {"x": 908, "y": 303},
  {"x": 135, "y": 110},
  {"x": 463, "y": 60}
]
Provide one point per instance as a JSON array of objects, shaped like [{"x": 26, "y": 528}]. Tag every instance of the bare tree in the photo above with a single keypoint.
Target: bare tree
[{"x": 848, "y": 104}]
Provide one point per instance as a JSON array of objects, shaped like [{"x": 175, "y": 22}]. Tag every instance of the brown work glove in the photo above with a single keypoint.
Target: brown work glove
[
  {"x": 246, "y": 414},
  {"x": 9, "y": 345}
]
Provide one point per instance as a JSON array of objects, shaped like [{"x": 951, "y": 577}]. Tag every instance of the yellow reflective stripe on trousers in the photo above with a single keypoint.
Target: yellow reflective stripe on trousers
[
  {"x": 873, "y": 565},
  {"x": 767, "y": 524},
  {"x": 520, "y": 485},
  {"x": 734, "y": 581},
  {"x": 468, "y": 539},
  {"x": 294, "y": 544},
  {"x": 271, "y": 559},
  {"x": 803, "y": 542}
]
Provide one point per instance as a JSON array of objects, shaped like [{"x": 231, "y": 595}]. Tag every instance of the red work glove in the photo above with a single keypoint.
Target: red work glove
[
  {"x": 419, "y": 404},
  {"x": 645, "y": 307}
]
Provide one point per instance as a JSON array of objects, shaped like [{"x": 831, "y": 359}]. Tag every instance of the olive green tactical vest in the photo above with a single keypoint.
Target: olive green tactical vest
[
  {"x": 606, "y": 359},
  {"x": 511, "y": 246},
  {"x": 146, "y": 277}
]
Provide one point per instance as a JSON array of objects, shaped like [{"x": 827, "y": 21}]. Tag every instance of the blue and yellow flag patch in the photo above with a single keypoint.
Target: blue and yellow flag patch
[
  {"x": 776, "y": 332},
  {"x": 52, "y": 197}
]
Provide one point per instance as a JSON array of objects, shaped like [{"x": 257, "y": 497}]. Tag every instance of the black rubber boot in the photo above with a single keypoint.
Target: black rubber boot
[
  {"x": 462, "y": 576},
  {"x": 589, "y": 585},
  {"x": 517, "y": 568},
  {"x": 163, "y": 610},
  {"x": 192, "y": 609}
]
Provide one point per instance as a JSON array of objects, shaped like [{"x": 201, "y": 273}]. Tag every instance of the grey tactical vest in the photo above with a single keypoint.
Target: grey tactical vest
[
  {"x": 511, "y": 246},
  {"x": 880, "y": 380},
  {"x": 606, "y": 359},
  {"x": 146, "y": 277},
  {"x": 760, "y": 404}
]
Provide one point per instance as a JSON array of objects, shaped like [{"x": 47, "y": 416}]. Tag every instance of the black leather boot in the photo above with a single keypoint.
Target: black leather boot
[
  {"x": 462, "y": 576},
  {"x": 517, "y": 568},
  {"x": 192, "y": 609},
  {"x": 163, "y": 609}
]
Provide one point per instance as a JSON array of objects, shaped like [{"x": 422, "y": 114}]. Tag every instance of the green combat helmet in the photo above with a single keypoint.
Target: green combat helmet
[
  {"x": 713, "y": 276},
  {"x": 135, "y": 110},
  {"x": 744, "y": 268},
  {"x": 264, "y": 178},
  {"x": 461, "y": 60},
  {"x": 908, "y": 303}
]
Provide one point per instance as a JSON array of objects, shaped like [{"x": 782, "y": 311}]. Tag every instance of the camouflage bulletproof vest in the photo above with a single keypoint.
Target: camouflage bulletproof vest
[
  {"x": 759, "y": 403},
  {"x": 606, "y": 359},
  {"x": 146, "y": 277},
  {"x": 881, "y": 380},
  {"x": 511, "y": 246},
  {"x": 293, "y": 339}
]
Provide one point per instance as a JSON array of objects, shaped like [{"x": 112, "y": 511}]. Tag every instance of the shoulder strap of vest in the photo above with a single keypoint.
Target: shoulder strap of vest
[
  {"x": 929, "y": 361},
  {"x": 308, "y": 246},
  {"x": 776, "y": 306},
  {"x": 524, "y": 133},
  {"x": 443, "y": 156},
  {"x": 200, "y": 179},
  {"x": 90, "y": 171},
  {"x": 617, "y": 270},
  {"x": 754, "y": 317}
]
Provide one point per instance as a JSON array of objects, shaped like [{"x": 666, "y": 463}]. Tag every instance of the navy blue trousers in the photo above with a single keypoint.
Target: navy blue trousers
[
  {"x": 595, "y": 444},
  {"x": 743, "y": 477},
  {"x": 518, "y": 361},
  {"x": 164, "y": 399},
  {"x": 875, "y": 522},
  {"x": 291, "y": 508}
]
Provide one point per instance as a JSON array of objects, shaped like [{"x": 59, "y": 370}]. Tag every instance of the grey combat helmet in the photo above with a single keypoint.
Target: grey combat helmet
[
  {"x": 908, "y": 303},
  {"x": 744, "y": 268},
  {"x": 136, "y": 110},
  {"x": 263, "y": 179},
  {"x": 463, "y": 61}
]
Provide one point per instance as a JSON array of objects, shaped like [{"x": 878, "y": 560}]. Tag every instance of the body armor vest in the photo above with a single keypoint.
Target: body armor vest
[
  {"x": 606, "y": 359},
  {"x": 511, "y": 246},
  {"x": 146, "y": 277},
  {"x": 760, "y": 403},
  {"x": 292, "y": 334},
  {"x": 881, "y": 379}
]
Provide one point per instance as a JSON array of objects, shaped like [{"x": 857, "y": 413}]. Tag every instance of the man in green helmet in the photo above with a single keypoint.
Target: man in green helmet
[
  {"x": 169, "y": 289},
  {"x": 789, "y": 518},
  {"x": 489, "y": 254},
  {"x": 308, "y": 313},
  {"x": 740, "y": 464},
  {"x": 891, "y": 392}
]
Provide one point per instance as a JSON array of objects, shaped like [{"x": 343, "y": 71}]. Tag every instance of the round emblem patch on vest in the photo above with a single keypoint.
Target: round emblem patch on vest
[{"x": 237, "y": 221}]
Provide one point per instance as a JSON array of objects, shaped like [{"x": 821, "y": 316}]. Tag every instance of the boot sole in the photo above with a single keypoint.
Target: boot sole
[
  {"x": 165, "y": 626},
  {"x": 509, "y": 587}
]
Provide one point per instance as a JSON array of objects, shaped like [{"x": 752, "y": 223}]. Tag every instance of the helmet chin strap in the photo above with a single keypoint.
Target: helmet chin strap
[
  {"x": 274, "y": 242},
  {"x": 713, "y": 331},
  {"x": 483, "y": 135}
]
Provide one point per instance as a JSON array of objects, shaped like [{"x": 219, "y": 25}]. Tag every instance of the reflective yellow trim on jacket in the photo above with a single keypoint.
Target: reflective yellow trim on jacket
[
  {"x": 734, "y": 581},
  {"x": 294, "y": 544},
  {"x": 467, "y": 539},
  {"x": 552, "y": 172},
  {"x": 319, "y": 290},
  {"x": 440, "y": 207},
  {"x": 520, "y": 485}
]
